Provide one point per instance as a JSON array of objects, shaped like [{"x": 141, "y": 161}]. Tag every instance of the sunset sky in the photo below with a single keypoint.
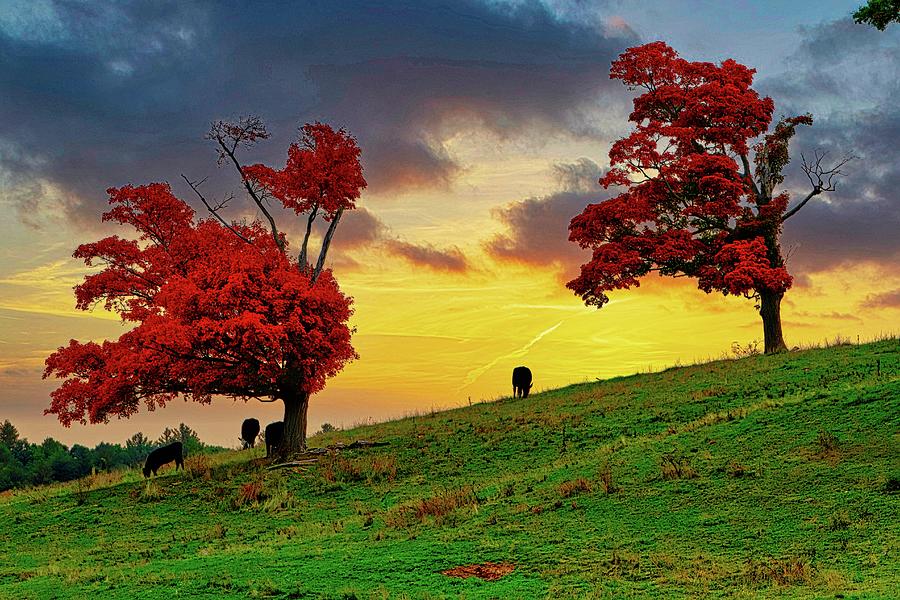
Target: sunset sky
[{"x": 484, "y": 128}]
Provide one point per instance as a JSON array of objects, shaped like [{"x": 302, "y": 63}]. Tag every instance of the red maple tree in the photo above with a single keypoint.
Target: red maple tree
[
  {"x": 693, "y": 205},
  {"x": 219, "y": 307}
]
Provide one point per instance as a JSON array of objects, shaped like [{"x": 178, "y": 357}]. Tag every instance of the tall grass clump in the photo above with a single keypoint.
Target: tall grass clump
[{"x": 438, "y": 508}]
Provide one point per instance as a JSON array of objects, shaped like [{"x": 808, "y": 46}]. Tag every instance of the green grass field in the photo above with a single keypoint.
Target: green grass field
[{"x": 770, "y": 476}]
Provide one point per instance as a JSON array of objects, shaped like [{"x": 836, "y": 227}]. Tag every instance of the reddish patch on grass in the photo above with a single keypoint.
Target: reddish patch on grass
[{"x": 487, "y": 571}]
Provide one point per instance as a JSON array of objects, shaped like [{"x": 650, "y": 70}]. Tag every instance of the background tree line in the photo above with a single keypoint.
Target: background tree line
[{"x": 24, "y": 464}]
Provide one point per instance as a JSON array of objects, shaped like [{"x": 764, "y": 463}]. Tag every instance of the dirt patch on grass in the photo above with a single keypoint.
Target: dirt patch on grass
[{"x": 487, "y": 571}]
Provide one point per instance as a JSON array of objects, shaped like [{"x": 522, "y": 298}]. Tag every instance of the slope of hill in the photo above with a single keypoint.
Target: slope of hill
[{"x": 763, "y": 477}]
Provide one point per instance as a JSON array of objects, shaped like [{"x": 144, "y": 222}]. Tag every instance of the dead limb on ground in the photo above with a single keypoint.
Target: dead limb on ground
[{"x": 310, "y": 457}]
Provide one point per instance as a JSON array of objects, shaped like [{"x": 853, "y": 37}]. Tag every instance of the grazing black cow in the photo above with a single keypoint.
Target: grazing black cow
[
  {"x": 249, "y": 431},
  {"x": 521, "y": 381},
  {"x": 164, "y": 455},
  {"x": 274, "y": 436}
]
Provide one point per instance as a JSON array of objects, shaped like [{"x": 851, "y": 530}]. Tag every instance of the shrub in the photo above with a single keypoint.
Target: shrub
[
  {"x": 336, "y": 468},
  {"x": 80, "y": 491},
  {"x": 382, "y": 468},
  {"x": 278, "y": 498}
]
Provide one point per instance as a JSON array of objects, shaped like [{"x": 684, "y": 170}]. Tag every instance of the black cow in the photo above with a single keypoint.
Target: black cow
[
  {"x": 164, "y": 455},
  {"x": 274, "y": 436},
  {"x": 521, "y": 381},
  {"x": 249, "y": 431}
]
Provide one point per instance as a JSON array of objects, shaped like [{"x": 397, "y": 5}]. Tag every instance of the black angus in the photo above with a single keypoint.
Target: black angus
[
  {"x": 164, "y": 455},
  {"x": 249, "y": 431},
  {"x": 274, "y": 436},
  {"x": 521, "y": 381}
]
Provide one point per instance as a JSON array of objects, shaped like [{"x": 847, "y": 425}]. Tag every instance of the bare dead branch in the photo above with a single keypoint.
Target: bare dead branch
[
  {"x": 214, "y": 211},
  {"x": 822, "y": 179},
  {"x": 244, "y": 133},
  {"x": 297, "y": 463}
]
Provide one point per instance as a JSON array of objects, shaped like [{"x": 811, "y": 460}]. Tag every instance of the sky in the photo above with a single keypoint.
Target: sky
[{"x": 484, "y": 127}]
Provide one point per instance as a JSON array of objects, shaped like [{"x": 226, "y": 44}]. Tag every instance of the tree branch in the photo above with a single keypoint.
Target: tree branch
[
  {"x": 214, "y": 211},
  {"x": 748, "y": 177},
  {"x": 253, "y": 194},
  {"x": 309, "y": 224},
  {"x": 325, "y": 244},
  {"x": 245, "y": 132},
  {"x": 822, "y": 179}
]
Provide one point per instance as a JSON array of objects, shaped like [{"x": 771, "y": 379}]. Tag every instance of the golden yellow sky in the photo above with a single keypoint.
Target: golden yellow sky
[{"x": 430, "y": 339}]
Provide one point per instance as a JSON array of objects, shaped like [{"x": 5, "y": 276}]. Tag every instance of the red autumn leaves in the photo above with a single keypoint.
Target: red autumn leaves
[
  {"x": 323, "y": 172},
  {"x": 688, "y": 209},
  {"x": 215, "y": 311}
]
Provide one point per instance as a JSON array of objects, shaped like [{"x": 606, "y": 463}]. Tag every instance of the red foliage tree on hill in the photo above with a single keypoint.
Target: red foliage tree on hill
[
  {"x": 693, "y": 205},
  {"x": 219, "y": 307}
]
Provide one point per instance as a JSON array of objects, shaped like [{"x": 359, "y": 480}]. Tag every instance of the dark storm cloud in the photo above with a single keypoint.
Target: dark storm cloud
[
  {"x": 94, "y": 96},
  {"x": 538, "y": 228},
  {"x": 843, "y": 74},
  {"x": 450, "y": 259}
]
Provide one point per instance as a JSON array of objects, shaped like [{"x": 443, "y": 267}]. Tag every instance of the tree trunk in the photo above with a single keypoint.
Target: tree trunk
[
  {"x": 295, "y": 407},
  {"x": 770, "y": 311}
]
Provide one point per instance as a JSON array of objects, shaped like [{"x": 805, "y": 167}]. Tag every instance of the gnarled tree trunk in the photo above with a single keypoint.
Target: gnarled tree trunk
[
  {"x": 295, "y": 407},
  {"x": 770, "y": 311}
]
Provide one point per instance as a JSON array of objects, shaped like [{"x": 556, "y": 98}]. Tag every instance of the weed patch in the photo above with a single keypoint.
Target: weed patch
[
  {"x": 438, "y": 507},
  {"x": 576, "y": 486},
  {"x": 371, "y": 469},
  {"x": 487, "y": 571},
  {"x": 606, "y": 480},
  {"x": 676, "y": 467},
  {"x": 795, "y": 570},
  {"x": 151, "y": 492},
  {"x": 249, "y": 494},
  {"x": 198, "y": 467},
  {"x": 839, "y": 521},
  {"x": 827, "y": 443}
]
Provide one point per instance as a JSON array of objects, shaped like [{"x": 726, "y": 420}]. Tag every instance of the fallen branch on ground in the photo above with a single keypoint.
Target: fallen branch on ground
[
  {"x": 310, "y": 457},
  {"x": 297, "y": 463}
]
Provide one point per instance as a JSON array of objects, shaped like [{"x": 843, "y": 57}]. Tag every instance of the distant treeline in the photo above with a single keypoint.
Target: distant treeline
[{"x": 24, "y": 464}]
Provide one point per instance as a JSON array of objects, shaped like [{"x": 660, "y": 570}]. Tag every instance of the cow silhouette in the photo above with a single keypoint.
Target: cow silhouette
[
  {"x": 249, "y": 431},
  {"x": 164, "y": 455},
  {"x": 274, "y": 436},
  {"x": 521, "y": 381}
]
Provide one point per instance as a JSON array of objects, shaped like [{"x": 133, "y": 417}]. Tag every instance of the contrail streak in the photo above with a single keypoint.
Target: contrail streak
[{"x": 474, "y": 374}]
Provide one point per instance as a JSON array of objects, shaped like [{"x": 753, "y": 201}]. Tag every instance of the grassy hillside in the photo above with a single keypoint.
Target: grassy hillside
[{"x": 764, "y": 477}]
